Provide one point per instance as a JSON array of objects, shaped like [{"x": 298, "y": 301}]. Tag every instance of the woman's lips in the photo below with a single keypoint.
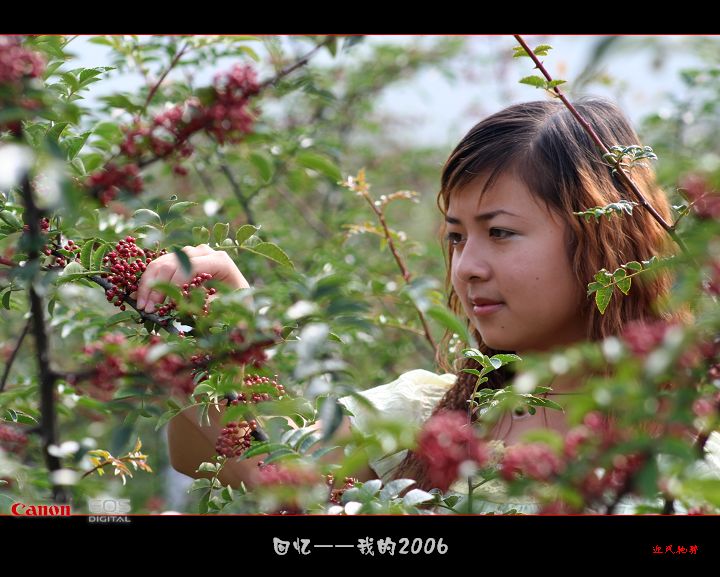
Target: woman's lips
[{"x": 487, "y": 309}]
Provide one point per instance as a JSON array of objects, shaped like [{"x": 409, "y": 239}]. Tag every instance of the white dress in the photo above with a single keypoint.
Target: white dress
[{"x": 413, "y": 396}]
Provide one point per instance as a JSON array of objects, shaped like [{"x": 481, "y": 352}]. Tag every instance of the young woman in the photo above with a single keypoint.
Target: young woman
[{"x": 519, "y": 264}]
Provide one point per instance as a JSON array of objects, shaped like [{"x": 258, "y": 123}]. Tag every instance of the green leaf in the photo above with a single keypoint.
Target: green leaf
[
  {"x": 279, "y": 455},
  {"x": 331, "y": 417},
  {"x": 633, "y": 265},
  {"x": 220, "y": 231},
  {"x": 74, "y": 144},
  {"x": 70, "y": 80},
  {"x": 507, "y": 358},
  {"x": 208, "y": 467},
  {"x": 120, "y": 317},
  {"x": 6, "y": 300},
  {"x": 108, "y": 131},
  {"x": 448, "y": 320},
  {"x": 263, "y": 448},
  {"x": 184, "y": 260},
  {"x": 535, "y": 81},
  {"x": 179, "y": 208},
  {"x": 602, "y": 298},
  {"x": 520, "y": 52},
  {"x": 227, "y": 494},
  {"x": 73, "y": 276},
  {"x": 200, "y": 484},
  {"x": 394, "y": 488},
  {"x": 542, "y": 50},
  {"x": 145, "y": 215},
  {"x": 417, "y": 496},
  {"x": 319, "y": 163},
  {"x": 54, "y": 132},
  {"x": 263, "y": 164},
  {"x": 272, "y": 252},
  {"x": 165, "y": 417},
  {"x": 245, "y": 232},
  {"x": 200, "y": 234},
  {"x": 86, "y": 253},
  {"x": 603, "y": 277},
  {"x": 622, "y": 280},
  {"x": 121, "y": 101},
  {"x": 98, "y": 255},
  {"x": 91, "y": 73},
  {"x": 11, "y": 219}
]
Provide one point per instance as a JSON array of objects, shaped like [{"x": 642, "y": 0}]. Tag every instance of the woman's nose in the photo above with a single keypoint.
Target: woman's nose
[{"x": 472, "y": 264}]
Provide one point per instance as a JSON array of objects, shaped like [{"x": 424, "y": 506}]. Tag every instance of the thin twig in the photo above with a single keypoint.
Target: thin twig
[
  {"x": 301, "y": 62},
  {"x": 155, "y": 88},
  {"x": 106, "y": 463},
  {"x": 398, "y": 259},
  {"x": 10, "y": 361}
]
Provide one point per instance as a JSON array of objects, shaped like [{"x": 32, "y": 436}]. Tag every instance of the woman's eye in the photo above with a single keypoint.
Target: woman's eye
[
  {"x": 453, "y": 238},
  {"x": 500, "y": 233}
]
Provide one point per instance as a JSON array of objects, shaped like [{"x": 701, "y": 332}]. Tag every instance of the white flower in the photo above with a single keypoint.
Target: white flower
[{"x": 525, "y": 383}]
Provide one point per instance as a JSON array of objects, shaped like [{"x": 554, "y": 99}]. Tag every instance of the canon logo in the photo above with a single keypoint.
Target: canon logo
[{"x": 23, "y": 510}]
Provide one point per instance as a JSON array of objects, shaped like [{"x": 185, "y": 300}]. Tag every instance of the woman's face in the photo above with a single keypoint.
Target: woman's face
[{"x": 510, "y": 250}]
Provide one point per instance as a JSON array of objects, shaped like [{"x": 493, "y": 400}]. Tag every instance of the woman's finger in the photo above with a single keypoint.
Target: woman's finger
[{"x": 160, "y": 270}]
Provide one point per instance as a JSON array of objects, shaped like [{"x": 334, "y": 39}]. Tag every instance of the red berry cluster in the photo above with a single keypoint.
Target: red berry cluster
[
  {"x": 107, "y": 182},
  {"x": 235, "y": 438},
  {"x": 114, "y": 358},
  {"x": 12, "y": 439},
  {"x": 126, "y": 263},
  {"x": 17, "y": 65},
  {"x": 593, "y": 439},
  {"x": 254, "y": 355},
  {"x": 644, "y": 337},
  {"x": 196, "y": 281},
  {"x": 706, "y": 203},
  {"x": 707, "y": 406},
  {"x": 44, "y": 225},
  {"x": 598, "y": 482},
  {"x": 226, "y": 118},
  {"x": 250, "y": 396},
  {"x": 336, "y": 494},
  {"x": 533, "y": 460},
  {"x": 447, "y": 441},
  {"x": 59, "y": 260}
]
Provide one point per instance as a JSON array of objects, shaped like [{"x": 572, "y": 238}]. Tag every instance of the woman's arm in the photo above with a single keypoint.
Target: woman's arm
[{"x": 191, "y": 444}]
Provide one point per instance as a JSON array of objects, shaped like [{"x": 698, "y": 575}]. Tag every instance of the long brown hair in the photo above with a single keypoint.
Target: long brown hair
[{"x": 545, "y": 146}]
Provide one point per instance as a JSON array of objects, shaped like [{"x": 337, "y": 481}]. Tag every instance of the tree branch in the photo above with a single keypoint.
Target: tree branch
[
  {"x": 11, "y": 360},
  {"x": 48, "y": 425}
]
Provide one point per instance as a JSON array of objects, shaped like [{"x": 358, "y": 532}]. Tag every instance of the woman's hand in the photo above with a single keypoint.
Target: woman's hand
[{"x": 167, "y": 268}]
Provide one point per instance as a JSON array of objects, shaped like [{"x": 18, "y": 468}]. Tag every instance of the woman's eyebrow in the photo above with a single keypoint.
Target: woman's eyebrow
[{"x": 481, "y": 217}]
